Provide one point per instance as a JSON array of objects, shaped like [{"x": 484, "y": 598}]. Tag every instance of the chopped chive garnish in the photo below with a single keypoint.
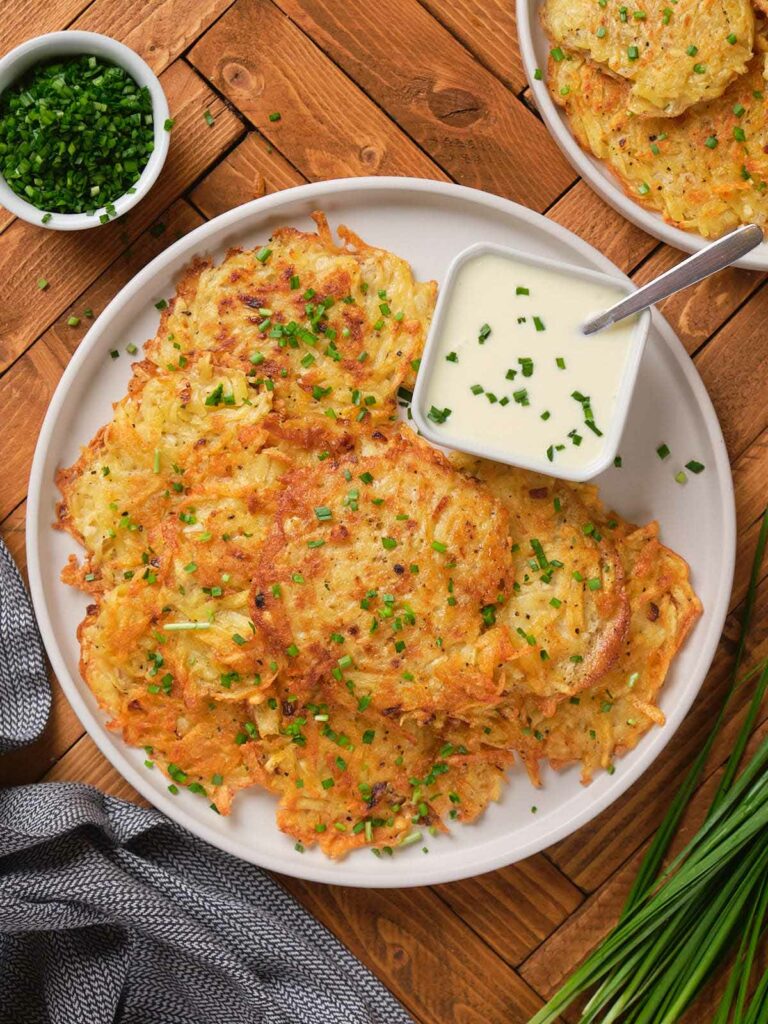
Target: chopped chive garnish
[
  {"x": 438, "y": 415},
  {"x": 276, "y": 116},
  {"x": 681, "y": 477},
  {"x": 662, "y": 451},
  {"x": 452, "y": 357},
  {"x": 560, "y": 363},
  {"x": 557, "y": 54},
  {"x": 173, "y": 627},
  {"x": 208, "y": 118},
  {"x": 75, "y": 134},
  {"x": 632, "y": 52},
  {"x": 522, "y": 291},
  {"x": 538, "y": 324},
  {"x": 694, "y": 466},
  {"x": 485, "y": 330},
  {"x": 477, "y": 389},
  {"x": 73, "y": 321}
]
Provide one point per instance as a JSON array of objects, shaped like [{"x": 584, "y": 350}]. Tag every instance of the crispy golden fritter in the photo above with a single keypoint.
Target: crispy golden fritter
[
  {"x": 671, "y": 56},
  {"x": 706, "y": 171},
  {"x": 570, "y": 612},
  {"x": 381, "y": 578},
  {"x": 290, "y": 590}
]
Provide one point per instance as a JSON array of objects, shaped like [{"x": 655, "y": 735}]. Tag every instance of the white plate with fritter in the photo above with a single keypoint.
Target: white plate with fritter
[
  {"x": 534, "y": 49},
  {"x": 426, "y": 223}
]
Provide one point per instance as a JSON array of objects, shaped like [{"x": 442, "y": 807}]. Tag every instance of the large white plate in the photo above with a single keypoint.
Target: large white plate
[
  {"x": 534, "y": 49},
  {"x": 427, "y": 223}
]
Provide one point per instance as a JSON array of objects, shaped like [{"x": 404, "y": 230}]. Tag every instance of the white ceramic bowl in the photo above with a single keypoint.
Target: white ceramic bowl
[
  {"x": 71, "y": 44},
  {"x": 534, "y": 50},
  {"x": 614, "y": 428}
]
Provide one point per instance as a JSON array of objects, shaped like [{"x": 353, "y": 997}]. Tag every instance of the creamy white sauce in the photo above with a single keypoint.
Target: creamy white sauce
[{"x": 485, "y": 295}]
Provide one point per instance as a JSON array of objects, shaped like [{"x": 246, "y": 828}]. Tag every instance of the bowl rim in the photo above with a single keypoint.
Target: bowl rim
[
  {"x": 73, "y": 42},
  {"x": 537, "y": 464}
]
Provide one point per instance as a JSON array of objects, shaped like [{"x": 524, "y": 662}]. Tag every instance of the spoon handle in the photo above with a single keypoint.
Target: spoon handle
[{"x": 708, "y": 261}]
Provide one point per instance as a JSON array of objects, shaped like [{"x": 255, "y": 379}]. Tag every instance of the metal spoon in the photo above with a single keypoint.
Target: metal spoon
[{"x": 708, "y": 261}]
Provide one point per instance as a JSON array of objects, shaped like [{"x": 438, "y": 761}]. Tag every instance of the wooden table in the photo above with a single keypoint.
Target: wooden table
[{"x": 435, "y": 89}]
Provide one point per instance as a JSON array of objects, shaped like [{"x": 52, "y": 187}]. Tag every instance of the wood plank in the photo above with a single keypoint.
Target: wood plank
[
  {"x": 29, "y": 18},
  {"x": 84, "y": 762},
  {"x": 70, "y": 261},
  {"x": 328, "y": 128},
  {"x": 489, "y": 30},
  {"x": 461, "y": 114},
  {"x": 430, "y": 960},
  {"x": 27, "y": 387},
  {"x": 551, "y": 964},
  {"x": 734, "y": 368},
  {"x": 699, "y": 311},
  {"x": 158, "y": 30},
  {"x": 25, "y": 391},
  {"x": 250, "y": 171},
  {"x": 516, "y": 908},
  {"x": 591, "y": 855},
  {"x": 582, "y": 211}
]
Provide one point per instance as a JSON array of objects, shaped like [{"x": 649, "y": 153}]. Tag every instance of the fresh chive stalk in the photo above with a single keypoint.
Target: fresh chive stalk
[{"x": 680, "y": 922}]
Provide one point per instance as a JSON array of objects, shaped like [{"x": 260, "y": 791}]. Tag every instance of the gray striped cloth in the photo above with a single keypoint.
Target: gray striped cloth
[{"x": 112, "y": 913}]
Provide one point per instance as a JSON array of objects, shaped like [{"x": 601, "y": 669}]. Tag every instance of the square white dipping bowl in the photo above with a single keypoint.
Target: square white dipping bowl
[{"x": 612, "y": 429}]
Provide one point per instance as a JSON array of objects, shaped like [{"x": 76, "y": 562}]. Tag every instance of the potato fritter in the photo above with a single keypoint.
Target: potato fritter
[
  {"x": 705, "y": 171},
  {"x": 671, "y": 56},
  {"x": 381, "y": 578},
  {"x": 291, "y": 590}
]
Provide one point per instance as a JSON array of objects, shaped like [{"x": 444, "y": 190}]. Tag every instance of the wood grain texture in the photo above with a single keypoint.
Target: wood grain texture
[
  {"x": 699, "y": 311},
  {"x": 488, "y": 30},
  {"x": 734, "y": 368},
  {"x": 24, "y": 19},
  {"x": 582, "y": 211},
  {"x": 158, "y": 30},
  {"x": 253, "y": 169},
  {"x": 328, "y": 128},
  {"x": 438, "y": 969},
  {"x": 70, "y": 261},
  {"x": 471, "y": 125},
  {"x": 516, "y": 908}
]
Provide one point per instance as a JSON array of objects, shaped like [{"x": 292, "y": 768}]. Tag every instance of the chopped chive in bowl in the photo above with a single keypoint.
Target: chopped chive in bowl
[{"x": 75, "y": 134}]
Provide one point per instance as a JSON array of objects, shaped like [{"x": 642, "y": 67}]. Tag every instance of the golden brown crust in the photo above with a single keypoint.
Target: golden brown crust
[{"x": 378, "y": 665}]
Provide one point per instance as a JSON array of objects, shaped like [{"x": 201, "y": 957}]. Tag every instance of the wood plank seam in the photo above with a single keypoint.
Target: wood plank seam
[{"x": 341, "y": 70}]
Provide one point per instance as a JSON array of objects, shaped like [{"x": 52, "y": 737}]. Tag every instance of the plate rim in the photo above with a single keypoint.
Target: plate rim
[
  {"x": 596, "y": 174},
  {"x": 332, "y": 872}
]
